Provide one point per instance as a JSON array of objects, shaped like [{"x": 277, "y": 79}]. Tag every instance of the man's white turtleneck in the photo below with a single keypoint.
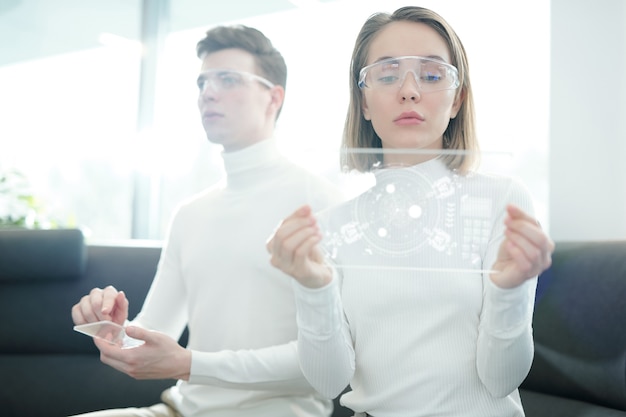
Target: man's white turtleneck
[{"x": 214, "y": 276}]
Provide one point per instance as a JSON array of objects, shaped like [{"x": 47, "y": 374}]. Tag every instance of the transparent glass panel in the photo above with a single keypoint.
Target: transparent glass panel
[{"x": 424, "y": 217}]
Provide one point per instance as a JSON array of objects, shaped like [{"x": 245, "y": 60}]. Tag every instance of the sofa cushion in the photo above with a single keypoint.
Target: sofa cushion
[
  {"x": 62, "y": 385},
  {"x": 580, "y": 325},
  {"x": 537, "y": 404},
  {"x": 41, "y": 255}
]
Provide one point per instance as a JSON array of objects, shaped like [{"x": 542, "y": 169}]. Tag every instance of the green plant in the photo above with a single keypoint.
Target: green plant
[{"x": 18, "y": 206}]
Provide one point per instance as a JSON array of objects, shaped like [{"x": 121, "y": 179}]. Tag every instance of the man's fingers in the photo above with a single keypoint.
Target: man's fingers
[
  {"x": 98, "y": 305},
  {"x": 138, "y": 333},
  {"x": 109, "y": 300},
  {"x": 77, "y": 314}
]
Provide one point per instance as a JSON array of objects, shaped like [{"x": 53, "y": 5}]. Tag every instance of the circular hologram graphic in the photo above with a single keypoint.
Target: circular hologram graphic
[{"x": 398, "y": 214}]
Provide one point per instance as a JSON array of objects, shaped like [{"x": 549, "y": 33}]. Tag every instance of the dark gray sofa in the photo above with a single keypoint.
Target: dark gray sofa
[
  {"x": 48, "y": 370},
  {"x": 579, "y": 328}
]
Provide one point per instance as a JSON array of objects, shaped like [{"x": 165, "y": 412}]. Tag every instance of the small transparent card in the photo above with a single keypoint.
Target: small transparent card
[{"x": 110, "y": 332}]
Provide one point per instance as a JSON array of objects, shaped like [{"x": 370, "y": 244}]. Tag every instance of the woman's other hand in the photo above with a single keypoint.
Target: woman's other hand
[
  {"x": 294, "y": 249},
  {"x": 525, "y": 252}
]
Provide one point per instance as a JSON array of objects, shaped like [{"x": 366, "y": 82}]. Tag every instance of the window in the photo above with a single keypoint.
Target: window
[{"x": 70, "y": 119}]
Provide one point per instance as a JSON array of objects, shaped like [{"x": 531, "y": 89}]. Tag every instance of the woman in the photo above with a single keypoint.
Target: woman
[{"x": 418, "y": 293}]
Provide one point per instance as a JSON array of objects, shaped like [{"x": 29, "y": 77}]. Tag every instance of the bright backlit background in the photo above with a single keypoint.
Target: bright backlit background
[{"x": 69, "y": 120}]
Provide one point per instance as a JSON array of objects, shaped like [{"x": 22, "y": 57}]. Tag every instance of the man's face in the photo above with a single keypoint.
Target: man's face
[{"x": 237, "y": 109}]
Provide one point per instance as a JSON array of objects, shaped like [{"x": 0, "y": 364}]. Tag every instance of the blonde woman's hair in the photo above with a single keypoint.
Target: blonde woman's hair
[{"x": 359, "y": 133}]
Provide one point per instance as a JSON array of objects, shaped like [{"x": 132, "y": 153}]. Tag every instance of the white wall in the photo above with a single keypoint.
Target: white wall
[{"x": 588, "y": 119}]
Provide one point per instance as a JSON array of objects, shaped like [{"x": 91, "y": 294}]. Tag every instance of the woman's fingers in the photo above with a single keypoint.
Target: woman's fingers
[
  {"x": 527, "y": 243},
  {"x": 531, "y": 229},
  {"x": 300, "y": 219},
  {"x": 293, "y": 249},
  {"x": 293, "y": 242}
]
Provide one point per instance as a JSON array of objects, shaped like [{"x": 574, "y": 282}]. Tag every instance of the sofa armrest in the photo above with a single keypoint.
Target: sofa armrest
[{"x": 579, "y": 325}]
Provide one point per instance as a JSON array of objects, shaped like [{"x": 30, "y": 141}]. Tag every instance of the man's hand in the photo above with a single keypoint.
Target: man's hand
[
  {"x": 160, "y": 357},
  {"x": 101, "y": 304}
]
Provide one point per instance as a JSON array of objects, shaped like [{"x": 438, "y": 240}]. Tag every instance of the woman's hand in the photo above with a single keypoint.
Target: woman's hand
[
  {"x": 294, "y": 250},
  {"x": 101, "y": 304},
  {"x": 160, "y": 357},
  {"x": 525, "y": 252}
]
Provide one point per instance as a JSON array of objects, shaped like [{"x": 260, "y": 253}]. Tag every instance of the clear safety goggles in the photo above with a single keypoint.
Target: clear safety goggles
[
  {"x": 224, "y": 79},
  {"x": 430, "y": 74}
]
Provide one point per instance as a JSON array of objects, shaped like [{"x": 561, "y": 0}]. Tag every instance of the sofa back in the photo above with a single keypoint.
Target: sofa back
[
  {"x": 43, "y": 273},
  {"x": 38, "y": 270},
  {"x": 41, "y": 255},
  {"x": 47, "y": 368},
  {"x": 580, "y": 325}
]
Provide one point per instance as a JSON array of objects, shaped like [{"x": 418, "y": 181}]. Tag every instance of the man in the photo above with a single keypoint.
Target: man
[{"x": 214, "y": 275}]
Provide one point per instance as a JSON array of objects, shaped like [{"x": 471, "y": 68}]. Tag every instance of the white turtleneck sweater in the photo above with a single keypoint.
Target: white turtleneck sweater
[
  {"x": 411, "y": 318},
  {"x": 214, "y": 275}
]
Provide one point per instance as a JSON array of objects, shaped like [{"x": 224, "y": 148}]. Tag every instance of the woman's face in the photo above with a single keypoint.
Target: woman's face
[{"x": 406, "y": 117}]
